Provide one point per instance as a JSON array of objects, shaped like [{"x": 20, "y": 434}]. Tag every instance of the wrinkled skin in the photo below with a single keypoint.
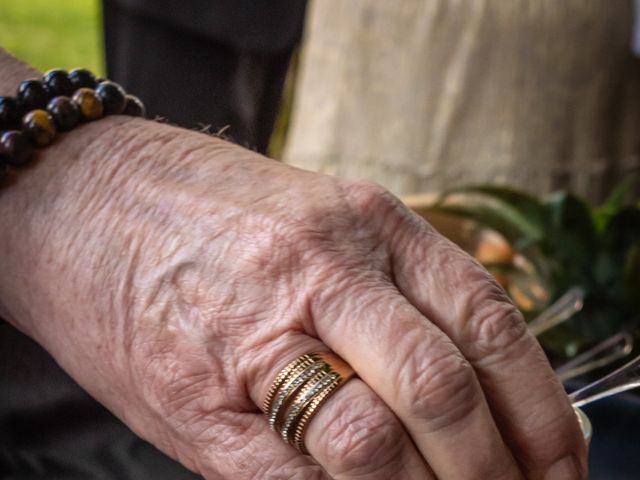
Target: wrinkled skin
[{"x": 173, "y": 275}]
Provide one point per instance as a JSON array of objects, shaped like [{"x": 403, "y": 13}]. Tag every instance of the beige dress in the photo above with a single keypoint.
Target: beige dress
[{"x": 421, "y": 95}]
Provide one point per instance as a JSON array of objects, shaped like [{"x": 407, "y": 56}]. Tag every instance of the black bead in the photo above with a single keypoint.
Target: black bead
[
  {"x": 15, "y": 148},
  {"x": 112, "y": 96},
  {"x": 134, "y": 107},
  {"x": 57, "y": 83},
  {"x": 65, "y": 113},
  {"x": 81, "y": 78},
  {"x": 32, "y": 94},
  {"x": 10, "y": 113}
]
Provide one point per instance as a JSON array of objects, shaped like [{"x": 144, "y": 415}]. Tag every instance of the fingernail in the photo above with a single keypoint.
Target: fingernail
[{"x": 564, "y": 469}]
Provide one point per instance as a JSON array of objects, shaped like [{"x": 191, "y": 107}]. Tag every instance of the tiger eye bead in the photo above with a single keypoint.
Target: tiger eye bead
[
  {"x": 88, "y": 103},
  {"x": 112, "y": 96},
  {"x": 57, "y": 83},
  {"x": 32, "y": 94},
  {"x": 134, "y": 107},
  {"x": 64, "y": 112},
  {"x": 15, "y": 148},
  {"x": 9, "y": 113},
  {"x": 81, "y": 78},
  {"x": 39, "y": 127}
]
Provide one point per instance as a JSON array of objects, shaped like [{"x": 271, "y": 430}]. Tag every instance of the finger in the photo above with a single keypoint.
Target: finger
[
  {"x": 419, "y": 374},
  {"x": 354, "y": 435},
  {"x": 462, "y": 299}
]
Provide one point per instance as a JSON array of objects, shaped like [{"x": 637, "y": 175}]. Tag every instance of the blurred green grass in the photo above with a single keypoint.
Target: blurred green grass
[{"x": 53, "y": 33}]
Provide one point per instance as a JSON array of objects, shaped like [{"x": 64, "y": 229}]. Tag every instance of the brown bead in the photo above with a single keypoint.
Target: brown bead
[
  {"x": 15, "y": 149},
  {"x": 88, "y": 103},
  {"x": 39, "y": 127}
]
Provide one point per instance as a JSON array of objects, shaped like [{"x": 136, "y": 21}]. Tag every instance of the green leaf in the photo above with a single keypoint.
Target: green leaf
[
  {"x": 616, "y": 199},
  {"x": 499, "y": 218},
  {"x": 567, "y": 209},
  {"x": 502, "y": 267},
  {"x": 623, "y": 231},
  {"x": 567, "y": 213},
  {"x": 519, "y": 217},
  {"x": 632, "y": 280},
  {"x": 614, "y": 202},
  {"x": 525, "y": 204},
  {"x": 571, "y": 239}
]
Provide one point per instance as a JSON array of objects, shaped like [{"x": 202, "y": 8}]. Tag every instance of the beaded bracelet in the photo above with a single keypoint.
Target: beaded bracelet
[{"x": 57, "y": 103}]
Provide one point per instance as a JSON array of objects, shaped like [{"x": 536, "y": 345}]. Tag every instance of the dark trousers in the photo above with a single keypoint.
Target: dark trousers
[{"x": 195, "y": 81}]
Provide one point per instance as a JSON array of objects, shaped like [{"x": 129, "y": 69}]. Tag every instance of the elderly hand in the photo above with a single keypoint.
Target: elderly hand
[{"x": 173, "y": 275}]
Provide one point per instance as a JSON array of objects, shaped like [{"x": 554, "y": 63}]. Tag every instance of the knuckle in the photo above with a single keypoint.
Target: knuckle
[
  {"x": 363, "y": 437},
  {"x": 498, "y": 330},
  {"x": 365, "y": 190},
  {"x": 369, "y": 197},
  {"x": 375, "y": 213},
  {"x": 490, "y": 324},
  {"x": 438, "y": 388}
]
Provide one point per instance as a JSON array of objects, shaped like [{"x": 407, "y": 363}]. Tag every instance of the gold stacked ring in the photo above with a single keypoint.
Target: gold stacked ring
[{"x": 299, "y": 390}]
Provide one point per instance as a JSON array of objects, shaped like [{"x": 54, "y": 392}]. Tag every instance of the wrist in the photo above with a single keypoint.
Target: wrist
[
  {"x": 47, "y": 207},
  {"x": 35, "y": 209},
  {"x": 94, "y": 175},
  {"x": 76, "y": 181}
]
